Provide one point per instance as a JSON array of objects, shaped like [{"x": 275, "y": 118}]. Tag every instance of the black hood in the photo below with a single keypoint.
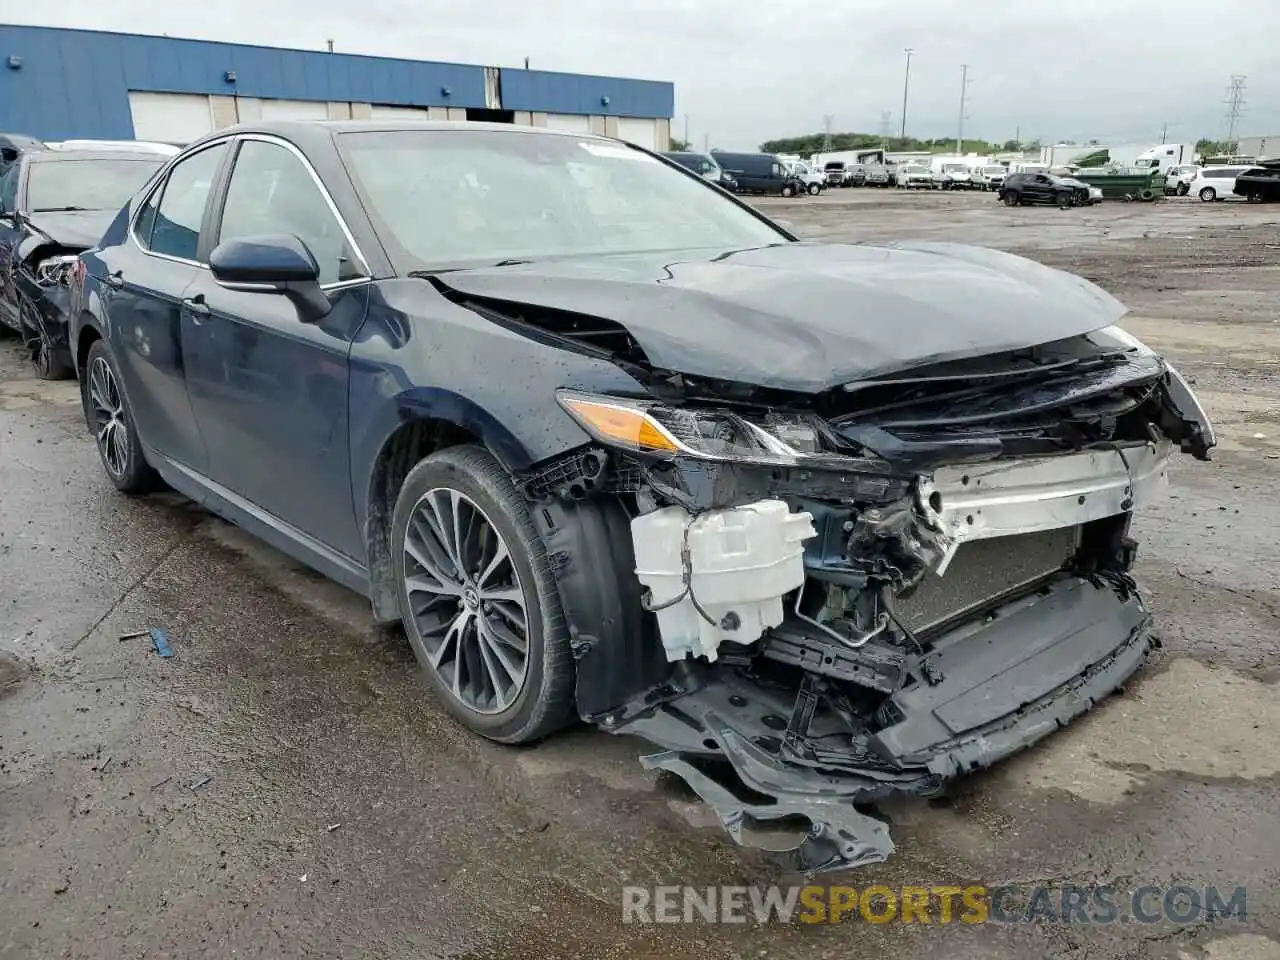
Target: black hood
[
  {"x": 80, "y": 229},
  {"x": 809, "y": 316}
]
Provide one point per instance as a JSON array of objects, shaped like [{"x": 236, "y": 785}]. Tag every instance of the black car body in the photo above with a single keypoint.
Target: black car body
[
  {"x": 1260, "y": 184},
  {"x": 759, "y": 173},
  {"x": 820, "y": 521},
  {"x": 1025, "y": 188},
  {"x": 53, "y": 205}
]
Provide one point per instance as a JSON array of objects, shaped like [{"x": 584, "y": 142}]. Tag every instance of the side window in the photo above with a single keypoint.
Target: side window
[
  {"x": 271, "y": 191},
  {"x": 9, "y": 190},
  {"x": 146, "y": 221},
  {"x": 176, "y": 231}
]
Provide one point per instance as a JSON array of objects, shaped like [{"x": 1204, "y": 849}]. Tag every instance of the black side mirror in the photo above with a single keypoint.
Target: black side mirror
[{"x": 272, "y": 263}]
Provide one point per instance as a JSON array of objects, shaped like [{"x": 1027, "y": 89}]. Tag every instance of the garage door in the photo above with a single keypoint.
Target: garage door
[
  {"x": 565, "y": 121},
  {"x": 380, "y": 112},
  {"x": 295, "y": 110},
  {"x": 175, "y": 117},
  {"x": 643, "y": 133}
]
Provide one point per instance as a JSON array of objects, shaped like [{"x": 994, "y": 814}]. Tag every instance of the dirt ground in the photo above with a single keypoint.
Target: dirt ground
[{"x": 283, "y": 786}]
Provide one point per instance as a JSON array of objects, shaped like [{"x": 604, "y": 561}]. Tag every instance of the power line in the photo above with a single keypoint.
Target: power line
[
  {"x": 964, "y": 89},
  {"x": 906, "y": 85},
  {"x": 1235, "y": 105}
]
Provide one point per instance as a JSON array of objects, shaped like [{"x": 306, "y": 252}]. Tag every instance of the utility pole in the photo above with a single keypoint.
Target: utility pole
[
  {"x": 906, "y": 85},
  {"x": 330, "y": 43},
  {"x": 1235, "y": 107},
  {"x": 687, "y": 142},
  {"x": 886, "y": 127},
  {"x": 826, "y": 132},
  {"x": 1164, "y": 132},
  {"x": 964, "y": 89}
]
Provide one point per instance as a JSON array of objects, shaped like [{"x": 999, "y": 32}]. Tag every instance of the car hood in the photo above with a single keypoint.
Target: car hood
[
  {"x": 808, "y": 316},
  {"x": 82, "y": 228}
]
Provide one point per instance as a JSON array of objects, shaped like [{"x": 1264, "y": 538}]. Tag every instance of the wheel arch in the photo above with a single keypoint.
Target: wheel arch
[
  {"x": 423, "y": 422},
  {"x": 87, "y": 333}
]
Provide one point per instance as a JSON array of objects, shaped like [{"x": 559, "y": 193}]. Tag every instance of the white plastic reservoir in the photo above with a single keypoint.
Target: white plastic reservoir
[{"x": 741, "y": 563}]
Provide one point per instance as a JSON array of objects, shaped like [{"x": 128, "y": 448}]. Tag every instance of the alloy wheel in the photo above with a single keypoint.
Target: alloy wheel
[
  {"x": 110, "y": 426},
  {"x": 466, "y": 601}
]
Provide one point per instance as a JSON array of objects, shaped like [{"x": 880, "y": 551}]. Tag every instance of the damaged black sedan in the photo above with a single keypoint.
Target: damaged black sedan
[
  {"x": 53, "y": 205},
  {"x": 822, "y": 522}
]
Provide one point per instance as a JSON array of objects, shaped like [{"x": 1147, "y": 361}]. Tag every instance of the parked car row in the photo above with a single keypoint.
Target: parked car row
[{"x": 755, "y": 173}]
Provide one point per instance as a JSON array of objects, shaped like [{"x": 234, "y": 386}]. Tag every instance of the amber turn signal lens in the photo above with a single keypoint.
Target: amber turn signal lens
[{"x": 621, "y": 425}]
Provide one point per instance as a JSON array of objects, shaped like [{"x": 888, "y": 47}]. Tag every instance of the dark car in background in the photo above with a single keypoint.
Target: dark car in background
[
  {"x": 1027, "y": 188},
  {"x": 53, "y": 205},
  {"x": 824, "y": 522},
  {"x": 759, "y": 173},
  {"x": 1260, "y": 184},
  {"x": 704, "y": 165}
]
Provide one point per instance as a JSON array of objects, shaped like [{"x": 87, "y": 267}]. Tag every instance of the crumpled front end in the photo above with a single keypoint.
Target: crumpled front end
[{"x": 810, "y": 603}]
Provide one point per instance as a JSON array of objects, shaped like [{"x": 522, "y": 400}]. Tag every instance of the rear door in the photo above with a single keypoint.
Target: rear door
[
  {"x": 146, "y": 279},
  {"x": 270, "y": 391}
]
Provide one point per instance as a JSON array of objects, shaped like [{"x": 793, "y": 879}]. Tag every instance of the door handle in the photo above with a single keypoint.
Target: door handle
[
  {"x": 115, "y": 280},
  {"x": 196, "y": 306}
]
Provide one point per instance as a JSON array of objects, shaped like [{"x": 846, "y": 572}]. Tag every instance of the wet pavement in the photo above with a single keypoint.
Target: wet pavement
[{"x": 284, "y": 786}]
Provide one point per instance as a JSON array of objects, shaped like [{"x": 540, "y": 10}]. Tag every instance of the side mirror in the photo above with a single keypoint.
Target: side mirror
[{"x": 272, "y": 263}]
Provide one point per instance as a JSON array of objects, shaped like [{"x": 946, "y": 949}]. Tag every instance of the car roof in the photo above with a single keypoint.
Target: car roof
[
  {"x": 58, "y": 156},
  {"x": 314, "y": 133}
]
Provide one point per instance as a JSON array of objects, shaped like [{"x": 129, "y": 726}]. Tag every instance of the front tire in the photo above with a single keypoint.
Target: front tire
[
  {"x": 478, "y": 600},
  {"x": 110, "y": 417},
  {"x": 48, "y": 361},
  {"x": 1011, "y": 198},
  {"x": 814, "y": 189},
  {"x": 1208, "y": 195},
  {"x": 788, "y": 191}
]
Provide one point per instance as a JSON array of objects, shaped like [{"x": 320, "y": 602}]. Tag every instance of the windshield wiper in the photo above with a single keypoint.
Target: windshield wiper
[{"x": 67, "y": 209}]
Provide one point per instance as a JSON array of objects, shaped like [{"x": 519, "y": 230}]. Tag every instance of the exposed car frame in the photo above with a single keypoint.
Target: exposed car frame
[{"x": 822, "y": 522}]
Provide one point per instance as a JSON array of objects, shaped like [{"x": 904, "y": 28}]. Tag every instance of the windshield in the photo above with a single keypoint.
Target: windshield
[
  {"x": 992, "y": 171},
  {"x": 955, "y": 168},
  {"x": 461, "y": 197},
  {"x": 916, "y": 170},
  {"x": 87, "y": 184}
]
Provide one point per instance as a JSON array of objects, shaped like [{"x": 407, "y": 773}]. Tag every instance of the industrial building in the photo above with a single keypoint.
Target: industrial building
[
  {"x": 58, "y": 84},
  {"x": 1264, "y": 148}
]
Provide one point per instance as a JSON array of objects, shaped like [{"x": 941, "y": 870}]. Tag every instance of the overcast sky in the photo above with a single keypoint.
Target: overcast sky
[{"x": 752, "y": 70}]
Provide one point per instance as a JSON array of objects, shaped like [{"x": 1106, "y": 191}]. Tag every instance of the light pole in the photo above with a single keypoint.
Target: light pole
[{"x": 906, "y": 85}]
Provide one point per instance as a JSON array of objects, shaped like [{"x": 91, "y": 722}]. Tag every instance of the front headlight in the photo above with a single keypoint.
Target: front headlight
[
  {"x": 643, "y": 426},
  {"x": 56, "y": 270}
]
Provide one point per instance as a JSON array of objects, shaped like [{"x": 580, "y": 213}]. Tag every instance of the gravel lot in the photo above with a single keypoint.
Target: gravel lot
[{"x": 187, "y": 807}]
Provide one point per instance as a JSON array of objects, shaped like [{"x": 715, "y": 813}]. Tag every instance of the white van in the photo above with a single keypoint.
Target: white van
[{"x": 1214, "y": 183}]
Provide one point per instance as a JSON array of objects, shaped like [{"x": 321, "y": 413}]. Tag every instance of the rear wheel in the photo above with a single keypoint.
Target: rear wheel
[
  {"x": 814, "y": 189},
  {"x": 788, "y": 190},
  {"x": 111, "y": 419},
  {"x": 1208, "y": 194},
  {"x": 478, "y": 600}
]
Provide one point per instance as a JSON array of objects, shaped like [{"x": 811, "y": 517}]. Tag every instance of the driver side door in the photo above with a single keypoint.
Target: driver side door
[{"x": 268, "y": 389}]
